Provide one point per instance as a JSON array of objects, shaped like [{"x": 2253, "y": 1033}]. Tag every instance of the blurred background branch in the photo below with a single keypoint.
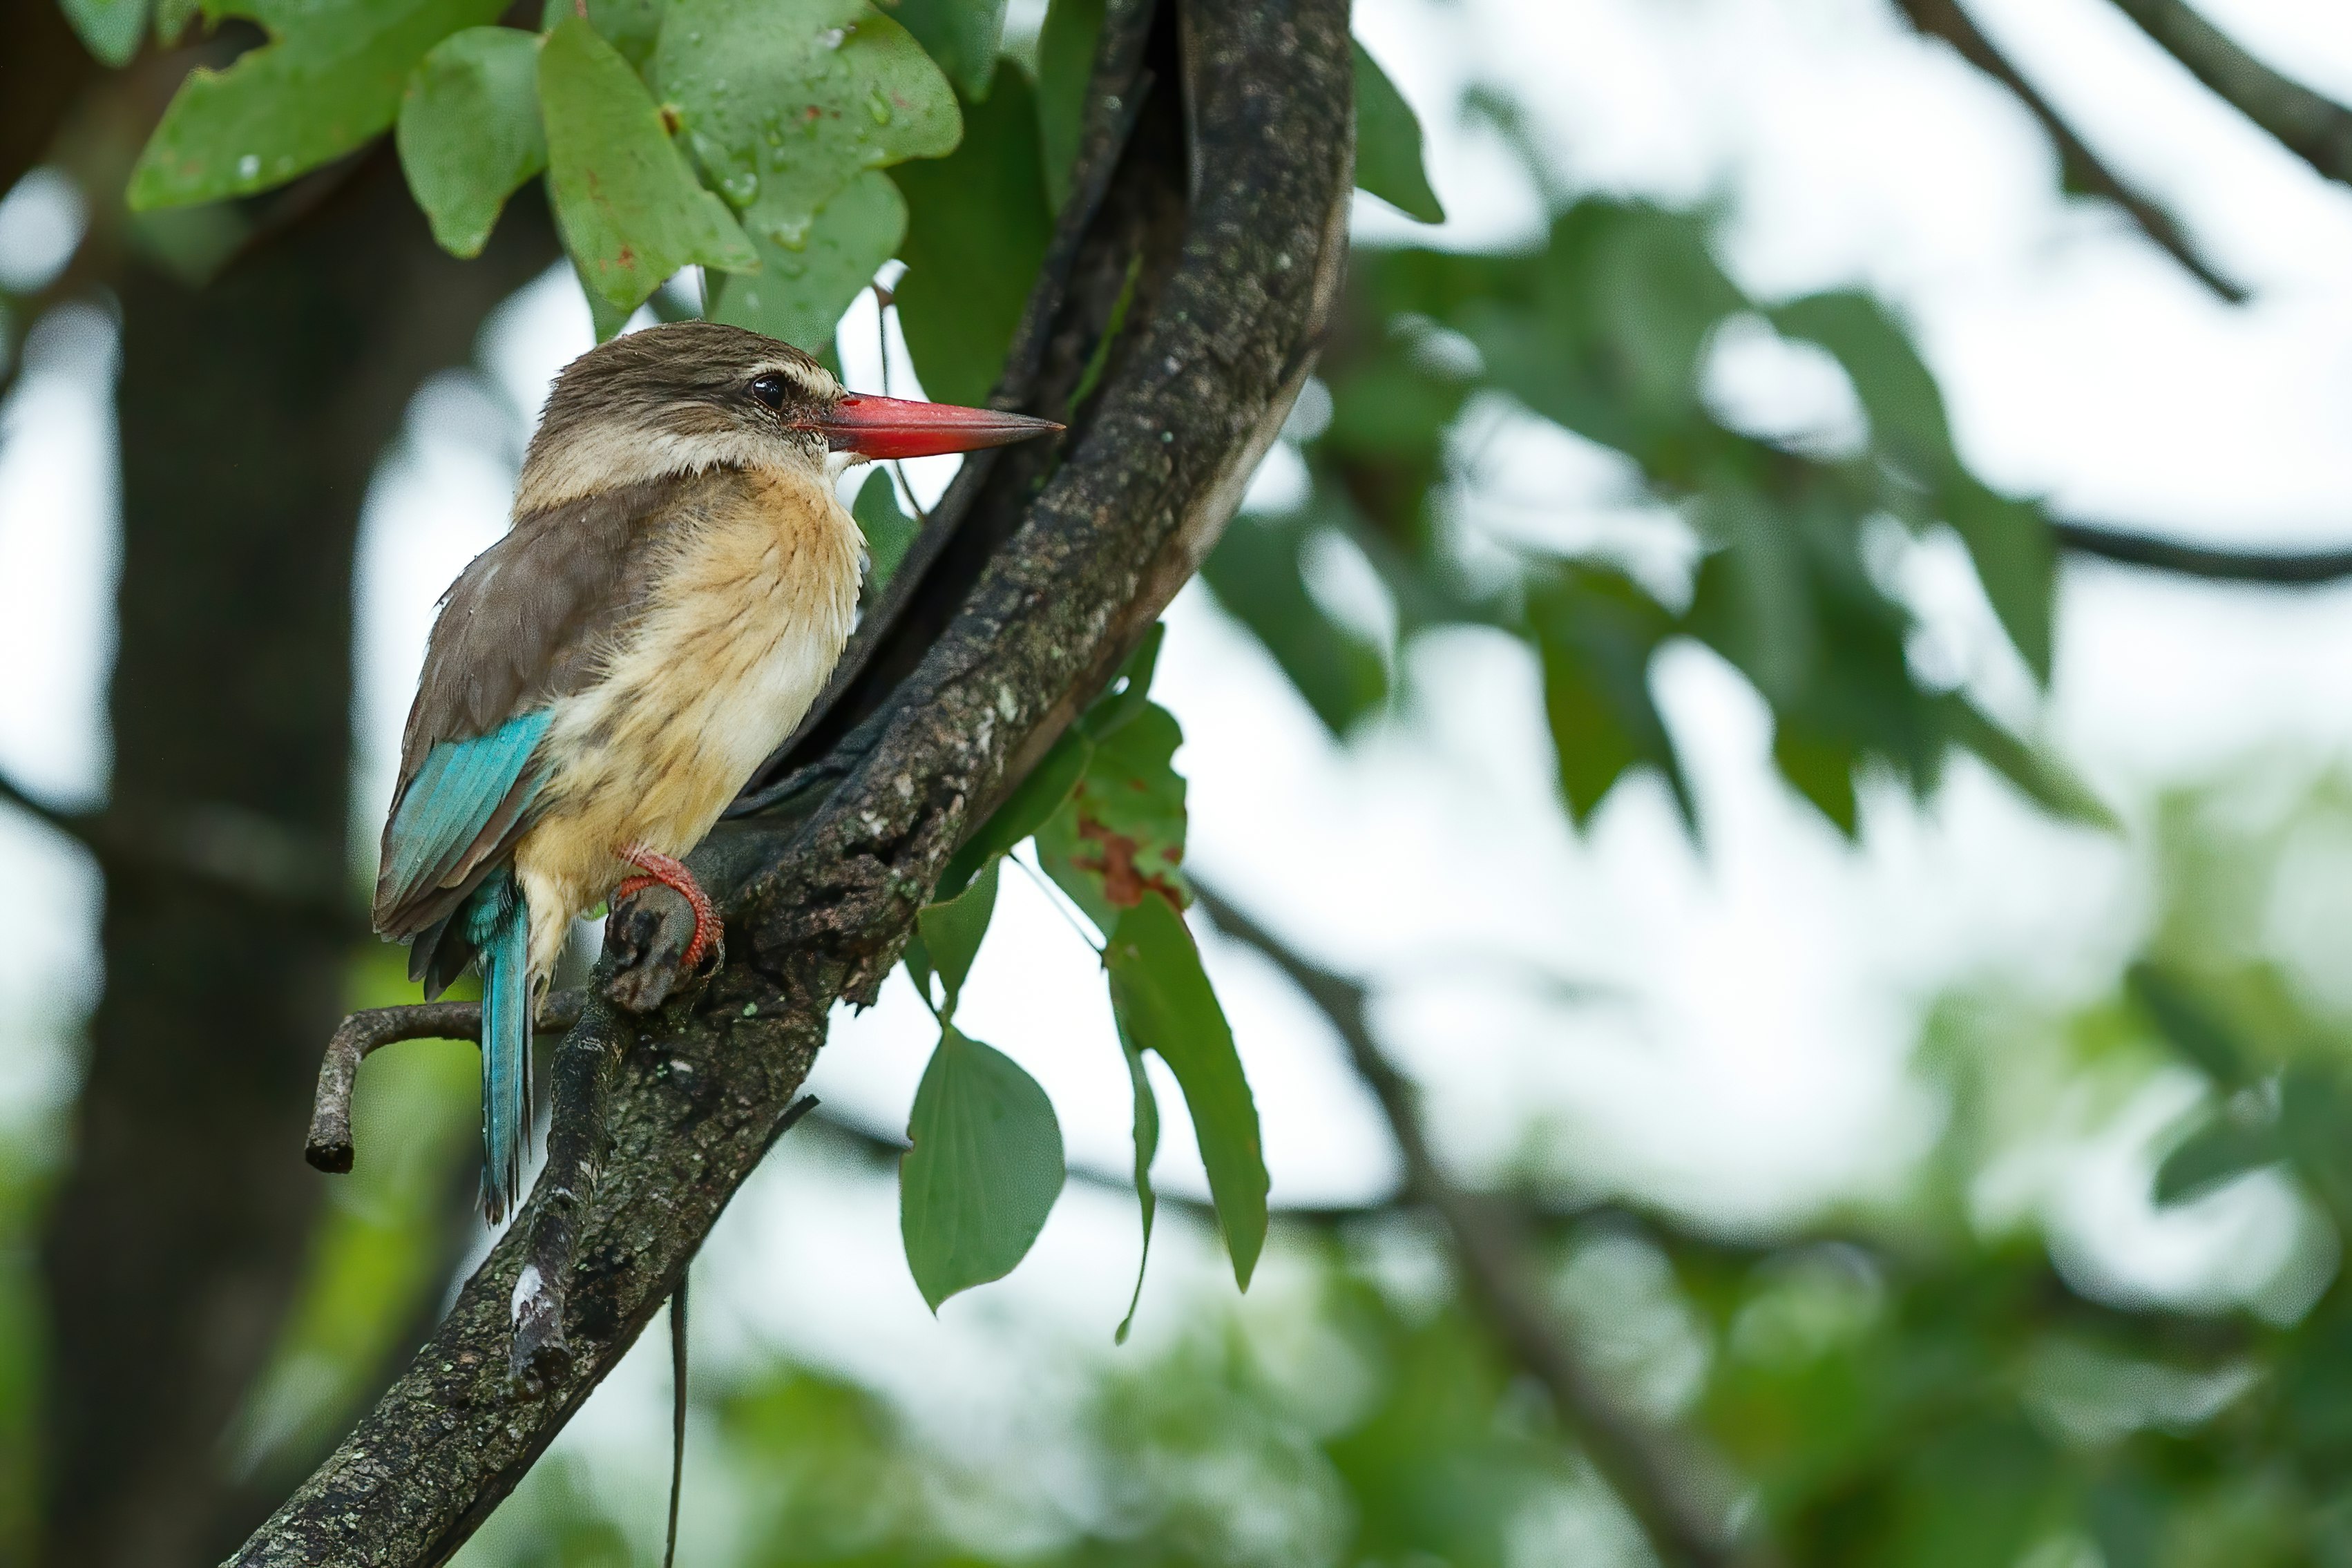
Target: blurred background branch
[
  {"x": 2281, "y": 568},
  {"x": 1664, "y": 1486},
  {"x": 2086, "y": 1306},
  {"x": 2080, "y": 168},
  {"x": 2307, "y": 124}
]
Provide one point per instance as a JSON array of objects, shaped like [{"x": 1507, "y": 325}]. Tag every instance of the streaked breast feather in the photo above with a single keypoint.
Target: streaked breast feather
[{"x": 747, "y": 616}]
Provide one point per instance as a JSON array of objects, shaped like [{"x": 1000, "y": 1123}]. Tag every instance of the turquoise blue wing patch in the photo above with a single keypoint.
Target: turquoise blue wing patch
[{"x": 457, "y": 789}]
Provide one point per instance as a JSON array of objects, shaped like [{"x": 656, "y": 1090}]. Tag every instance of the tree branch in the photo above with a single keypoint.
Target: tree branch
[
  {"x": 232, "y": 847},
  {"x": 2314, "y": 128},
  {"x": 364, "y": 1032},
  {"x": 2282, "y": 568},
  {"x": 2080, "y": 168},
  {"x": 1663, "y": 1485},
  {"x": 1059, "y": 563}
]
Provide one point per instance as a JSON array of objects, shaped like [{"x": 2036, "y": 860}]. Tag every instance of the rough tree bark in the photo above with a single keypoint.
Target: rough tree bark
[
  {"x": 1230, "y": 142},
  {"x": 253, "y": 412}
]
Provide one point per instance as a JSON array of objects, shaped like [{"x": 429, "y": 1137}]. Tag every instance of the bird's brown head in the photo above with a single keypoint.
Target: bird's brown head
[{"x": 693, "y": 396}]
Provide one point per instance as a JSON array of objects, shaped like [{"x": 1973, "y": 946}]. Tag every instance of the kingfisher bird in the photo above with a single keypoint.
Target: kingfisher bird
[{"x": 676, "y": 586}]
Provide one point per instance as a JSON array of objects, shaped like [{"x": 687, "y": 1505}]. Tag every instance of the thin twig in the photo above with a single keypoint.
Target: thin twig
[
  {"x": 882, "y": 1148},
  {"x": 329, "y": 1144},
  {"x": 676, "y": 1417},
  {"x": 883, "y": 299},
  {"x": 232, "y": 846},
  {"x": 2082, "y": 168},
  {"x": 1061, "y": 902},
  {"x": 75, "y": 826},
  {"x": 2312, "y": 127},
  {"x": 2281, "y": 568},
  {"x": 1662, "y": 1485}
]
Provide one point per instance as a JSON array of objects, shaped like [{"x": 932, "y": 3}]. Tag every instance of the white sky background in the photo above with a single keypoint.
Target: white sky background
[{"x": 1749, "y": 1063}]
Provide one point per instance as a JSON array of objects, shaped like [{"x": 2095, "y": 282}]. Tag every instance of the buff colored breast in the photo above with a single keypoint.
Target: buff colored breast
[{"x": 746, "y": 619}]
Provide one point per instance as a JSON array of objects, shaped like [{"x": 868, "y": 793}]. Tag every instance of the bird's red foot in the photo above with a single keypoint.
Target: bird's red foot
[{"x": 672, "y": 874}]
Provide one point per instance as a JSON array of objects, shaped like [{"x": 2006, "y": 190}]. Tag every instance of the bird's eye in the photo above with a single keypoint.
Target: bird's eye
[{"x": 770, "y": 390}]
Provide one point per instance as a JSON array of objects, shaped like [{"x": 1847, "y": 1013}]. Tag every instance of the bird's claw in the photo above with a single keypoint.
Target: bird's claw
[
  {"x": 709, "y": 933},
  {"x": 658, "y": 941}
]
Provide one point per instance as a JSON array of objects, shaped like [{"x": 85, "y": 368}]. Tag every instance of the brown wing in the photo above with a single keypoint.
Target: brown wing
[{"x": 528, "y": 621}]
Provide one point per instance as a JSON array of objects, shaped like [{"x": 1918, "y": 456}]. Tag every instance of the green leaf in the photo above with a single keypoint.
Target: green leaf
[
  {"x": 798, "y": 296},
  {"x": 783, "y": 105},
  {"x": 2008, "y": 540},
  {"x": 962, "y": 35},
  {"x": 2172, "y": 1006},
  {"x": 1755, "y": 601},
  {"x": 630, "y": 210},
  {"x": 2315, "y": 1127},
  {"x": 1897, "y": 389},
  {"x": 1065, "y": 64},
  {"x": 1164, "y": 1003},
  {"x": 110, "y": 29},
  {"x": 1821, "y": 770},
  {"x": 1255, "y": 573},
  {"x": 976, "y": 233},
  {"x": 952, "y": 932},
  {"x": 1387, "y": 144},
  {"x": 1030, "y": 805},
  {"x": 331, "y": 78},
  {"x": 2217, "y": 1153},
  {"x": 916, "y": 957},
  {"x": 1596, "y": 630},
  {"x": 1121, "y": 833},
  {"x": 469, "y": 132},
  {"x": 2016, "y": 560},
  {"x": 606, "y": 318},
  {"x": 1113, "y": 325},
  {"x": 1146, "y": 1149},
  {"x": 983, "y": 1172},
  {"x": 632, "y": 27},
  {"x": 172, "y": 20},
  {"x": 2044, "y": 780},
  {"x": 1610, "y": 341},
  {"x": 1129, "y": 691},
  {"x": 887, "y": 530}
]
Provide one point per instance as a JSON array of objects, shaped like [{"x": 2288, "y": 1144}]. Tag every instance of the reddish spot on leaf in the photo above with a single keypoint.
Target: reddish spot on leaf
[{"x": 1124, "y": 883}]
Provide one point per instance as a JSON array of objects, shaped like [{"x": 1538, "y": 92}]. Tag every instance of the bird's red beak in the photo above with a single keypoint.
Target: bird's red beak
[{"x": 898, "y": 427}]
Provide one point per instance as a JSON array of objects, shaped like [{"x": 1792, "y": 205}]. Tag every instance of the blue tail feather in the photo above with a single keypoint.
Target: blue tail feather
[{"x": 499, "y": 922}]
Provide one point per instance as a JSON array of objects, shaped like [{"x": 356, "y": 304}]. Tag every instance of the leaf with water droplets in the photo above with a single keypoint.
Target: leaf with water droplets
[
  {"x": 329, "y": 81},
  {"x": 799, "y": 295},
  {"x": 629, "y": 25},
  {"x": 786, "y": 105},
  {"x": 962, "y": 36},
  {"x": 629, "y": 208}
]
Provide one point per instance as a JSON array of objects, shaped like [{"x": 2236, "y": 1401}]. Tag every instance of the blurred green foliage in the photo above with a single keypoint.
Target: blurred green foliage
[
  {"x": 1924, "y": 1378},
  {"x": 1606, "y": 330},
  {"x": 1927, "y": 1378}
]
